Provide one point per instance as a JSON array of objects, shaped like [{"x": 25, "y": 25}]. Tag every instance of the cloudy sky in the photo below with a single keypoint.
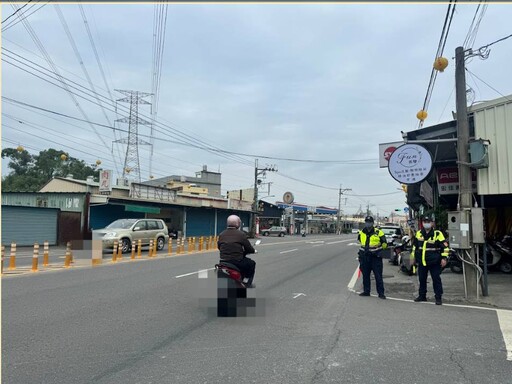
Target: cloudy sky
[{"x": 320, "y": 83}]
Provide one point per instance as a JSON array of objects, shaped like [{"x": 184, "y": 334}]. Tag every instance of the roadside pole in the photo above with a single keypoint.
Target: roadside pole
[{"x": 465, "y": 190}]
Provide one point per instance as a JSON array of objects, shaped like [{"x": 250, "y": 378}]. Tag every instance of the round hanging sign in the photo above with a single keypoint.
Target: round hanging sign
[
  {"x": 410, "y": 164},
  {"x": 288, "y": 197}
]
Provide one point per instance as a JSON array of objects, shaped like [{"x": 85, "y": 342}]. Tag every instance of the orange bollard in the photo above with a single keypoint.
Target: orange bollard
[
  {"x": 46, "y": 253},
  {"x": 120, "y": 251},
  {"x": 132, "y": 257},
  {"x": 12, "y": 260},
  {"x": 35, "y": 258},
  {"x": 139, "y": 249},
  {"x": 68, "y": 248},
  {"x": 150, "y": 254},
  {"x": 169, "y": 247},
  {"x": 67, "y": 261},
  {"x": 114, "y": 252},
  {"x": 200, "y": 243}
]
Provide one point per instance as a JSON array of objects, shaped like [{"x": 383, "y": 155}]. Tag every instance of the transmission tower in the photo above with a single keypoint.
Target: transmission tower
[{"x": 131, "y": 161}]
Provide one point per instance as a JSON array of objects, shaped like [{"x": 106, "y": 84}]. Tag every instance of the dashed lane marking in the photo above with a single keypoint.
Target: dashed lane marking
[{"x": 290, "y": 250}]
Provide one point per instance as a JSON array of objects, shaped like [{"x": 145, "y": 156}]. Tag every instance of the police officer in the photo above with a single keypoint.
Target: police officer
[
  {"x": 430, "y": 250},
  {"x": 372, "y": 242}
]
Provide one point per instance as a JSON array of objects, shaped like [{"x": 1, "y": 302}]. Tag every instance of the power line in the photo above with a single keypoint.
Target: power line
[
  {"x": 16, "y": 11},
  {"x": 490, "y": 86},
  {"x": 22, "y": 16}
]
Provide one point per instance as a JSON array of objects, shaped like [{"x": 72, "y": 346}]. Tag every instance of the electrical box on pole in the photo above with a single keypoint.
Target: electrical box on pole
[
  {"x": 477, "y": 226},
  {"x": 458, "y": 229}
]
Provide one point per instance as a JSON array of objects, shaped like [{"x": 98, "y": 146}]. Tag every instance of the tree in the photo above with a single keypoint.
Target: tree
[{"x": 31, "y": 172}]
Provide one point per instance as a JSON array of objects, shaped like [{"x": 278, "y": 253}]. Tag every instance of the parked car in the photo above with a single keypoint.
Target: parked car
[
  {"x": 393, "y": 233},
  {"x": 128, "y": 232},
  {"x": 279, "y": 231}
]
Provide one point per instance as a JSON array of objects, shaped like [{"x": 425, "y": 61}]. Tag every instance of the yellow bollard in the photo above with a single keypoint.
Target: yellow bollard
[
  {"x": 139, "y": 249},
  {"x": 114, "y": 252},
  {"x": 200, "y": 243},
  {"x": 120, "y": 251},
  {"x": 12, "y": 260},
  {"x": 132, "y": 257},
  {"x": 169, "y": 247},
  {"x": 67, "y": 261},
  {"x": 150, "y": 254},
  {"x": 35, "y": 258},
  {"x": 46, "y": 253},
  {"x": 178, "y": 247},
  {"x": 194, "y": 241},
  {"x": 68, "y": 249}
]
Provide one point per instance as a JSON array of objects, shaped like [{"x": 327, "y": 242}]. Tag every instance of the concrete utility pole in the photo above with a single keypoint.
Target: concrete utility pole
[
  {"x": 257, "y": 172},
  {"x": 465, "y": 190},
  {"x": 341, "y": 191}
]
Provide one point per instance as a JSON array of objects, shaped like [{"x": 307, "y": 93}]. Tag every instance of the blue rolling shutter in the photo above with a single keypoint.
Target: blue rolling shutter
[{"x": 28, "y": 225}]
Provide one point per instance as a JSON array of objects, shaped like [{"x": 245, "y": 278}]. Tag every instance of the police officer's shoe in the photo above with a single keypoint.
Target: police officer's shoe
[
  {"x": 420, "y": 298},
  {"x": 382, "y": 297},
  {"x": 439, "y": 301},
  {"x": 364, "y": 294}
]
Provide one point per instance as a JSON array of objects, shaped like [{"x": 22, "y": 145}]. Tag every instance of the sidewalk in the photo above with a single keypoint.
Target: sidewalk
[{"x": 400, "y": 285}]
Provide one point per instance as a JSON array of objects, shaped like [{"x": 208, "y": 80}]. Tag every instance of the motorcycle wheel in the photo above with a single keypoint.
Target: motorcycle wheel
[{"x": 506, "y": 267}]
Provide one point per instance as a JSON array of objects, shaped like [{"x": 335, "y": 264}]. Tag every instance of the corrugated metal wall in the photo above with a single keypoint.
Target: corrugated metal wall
[
  {"x": 493, "y": 121},
  {"x": 26, "y": 225}
]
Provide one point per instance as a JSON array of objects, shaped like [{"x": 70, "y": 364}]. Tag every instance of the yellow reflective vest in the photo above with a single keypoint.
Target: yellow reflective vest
[
  {"x": 429, "y": 247},
  {"x": 373, "y": 239}
]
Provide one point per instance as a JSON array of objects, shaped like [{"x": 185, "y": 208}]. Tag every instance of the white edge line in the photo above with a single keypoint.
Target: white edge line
[
  {"x": 505, "y": 321},
  {"x": 193, "y": 273},
  {"x": 290, "y": 250},
  {"x": 353, "y": 280}
]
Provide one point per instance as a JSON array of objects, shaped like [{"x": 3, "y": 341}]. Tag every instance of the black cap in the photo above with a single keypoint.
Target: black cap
[
  {"x": 368, "y": 218},
  {"x": 427, "y": 218}
]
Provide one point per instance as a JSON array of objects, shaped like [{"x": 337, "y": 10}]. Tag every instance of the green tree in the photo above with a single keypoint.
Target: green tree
[{"x": 29, "y": 173}]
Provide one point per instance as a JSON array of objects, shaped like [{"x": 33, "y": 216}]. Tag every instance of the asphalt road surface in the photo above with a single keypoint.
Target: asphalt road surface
[{"x": 154, "y": 321}]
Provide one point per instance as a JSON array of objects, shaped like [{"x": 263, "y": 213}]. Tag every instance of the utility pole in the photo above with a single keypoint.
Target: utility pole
[
  {"x": 257, "y": 172},
  {"x": 338, "y": 221},
  {"x": 465, "y": 190}
]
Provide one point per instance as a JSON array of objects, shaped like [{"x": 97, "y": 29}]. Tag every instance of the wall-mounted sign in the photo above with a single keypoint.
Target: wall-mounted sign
[
  {"x": 105, "y": 181},
  {"x": 448, "y": 180},
  {"x": 410, "y": 164},
  {"x": 385, "y": 152}
]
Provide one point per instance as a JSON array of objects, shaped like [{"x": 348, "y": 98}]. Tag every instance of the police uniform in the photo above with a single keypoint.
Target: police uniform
[
  {"x": 371, "y": 240},
  {"x": 429, "y": 248}
]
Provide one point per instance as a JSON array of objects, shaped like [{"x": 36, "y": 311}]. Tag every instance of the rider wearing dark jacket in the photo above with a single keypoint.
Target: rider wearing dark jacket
[{"x": 234, "y": 245}]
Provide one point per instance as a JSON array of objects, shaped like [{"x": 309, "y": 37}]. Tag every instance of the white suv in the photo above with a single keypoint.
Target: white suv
[
  {"x": 279, "y": 231},
  {"x": 128, "y": 232}
]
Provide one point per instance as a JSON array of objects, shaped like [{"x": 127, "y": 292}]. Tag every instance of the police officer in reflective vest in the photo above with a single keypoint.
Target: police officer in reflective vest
[
  {"x": 372, "y": 242},
  {"x": 430, "y": 250}
]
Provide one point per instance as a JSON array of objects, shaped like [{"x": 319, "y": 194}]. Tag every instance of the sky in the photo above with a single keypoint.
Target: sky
[{"x": 311, "y": 89}]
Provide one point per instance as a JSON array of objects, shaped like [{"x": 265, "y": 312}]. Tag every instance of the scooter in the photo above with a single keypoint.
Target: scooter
[
  {"x": 231, "y": 289},
  {"x": 454, "y": 262}
]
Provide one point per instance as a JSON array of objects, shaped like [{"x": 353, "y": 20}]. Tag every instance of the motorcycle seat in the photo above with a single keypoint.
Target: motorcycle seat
[{"x": 228, "y": 265}]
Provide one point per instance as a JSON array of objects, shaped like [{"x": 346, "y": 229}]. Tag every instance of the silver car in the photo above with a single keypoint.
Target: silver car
[
  {"x": 128, "y": 232},
  {"x": 279, "y": 231}
]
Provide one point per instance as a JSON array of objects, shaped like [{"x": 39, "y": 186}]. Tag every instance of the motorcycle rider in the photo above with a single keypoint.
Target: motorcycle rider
[
  {"x": 234, "y": 245},
  {"x": 372, "y": 241},
  {"x": 430, "y": 250}
]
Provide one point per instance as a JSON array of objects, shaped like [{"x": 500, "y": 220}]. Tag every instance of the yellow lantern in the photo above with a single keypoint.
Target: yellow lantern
[
  {"x": 63, "y": 157},
  {"x": 422, "y": 115},
  {"x": 151, "y": 177},
  {"x": 441, "y": 63},
  {"x": 98, "y": 162},
  {"x": 19, "y": 148},
  {"x": 127, "y": 170}
]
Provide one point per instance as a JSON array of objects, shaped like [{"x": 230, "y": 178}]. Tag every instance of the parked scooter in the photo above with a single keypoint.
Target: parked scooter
[
  {"x": 501, "y": 254},
  {"x": 454, "y": 262},
  {"x": 231, "y": 289}
]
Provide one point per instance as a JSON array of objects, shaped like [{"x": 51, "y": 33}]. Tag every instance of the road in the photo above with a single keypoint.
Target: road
[{"x": 151, "y": 322}]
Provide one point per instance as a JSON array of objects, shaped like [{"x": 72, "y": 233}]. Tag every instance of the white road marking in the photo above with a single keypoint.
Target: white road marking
[
  {"x": 353, "y": 244},
  {"x": 193, "y": 273},
  {"x": 203, "y": 274},
  {"x": 505, "y": 321},
  {"x": 340, "y": 241},
  {"x": 298, "y": 294},
  {"x": 315, "y": 242},
  {"x": 353, "y": 280},
  {"x": 290, "y": 250}
]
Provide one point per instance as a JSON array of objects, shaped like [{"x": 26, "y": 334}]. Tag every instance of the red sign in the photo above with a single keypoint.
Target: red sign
[
  {"x": 448, "y": 180},
  {"x": 388, "y": 152}
]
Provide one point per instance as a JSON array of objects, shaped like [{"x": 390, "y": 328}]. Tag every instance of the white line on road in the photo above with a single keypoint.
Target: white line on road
[
  {"x": 353, "y": 280},
  {"x": 298, "y": 294},
  {"x": 505, "y": 320},
  {"x": 290, "y": 250},
  {"x": 315, "y": 242},
  {"x": 340, "y": 241},
  {"x": 198, "y": 272}
]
